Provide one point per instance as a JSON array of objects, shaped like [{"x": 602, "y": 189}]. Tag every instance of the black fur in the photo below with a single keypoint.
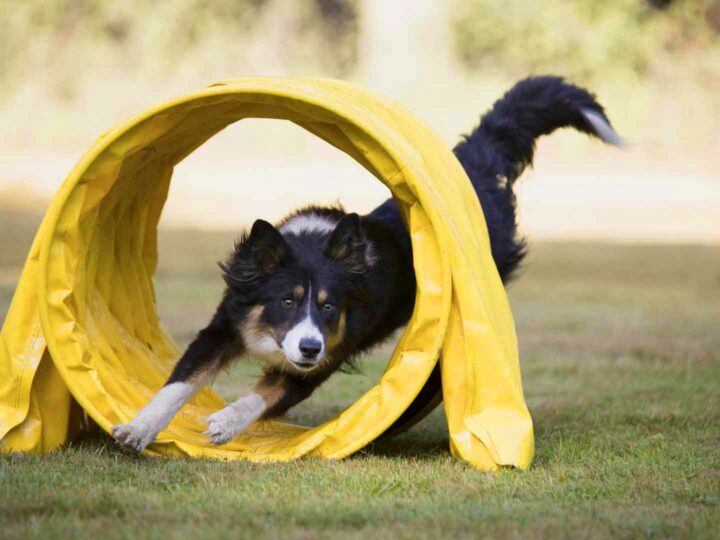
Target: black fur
[
  {"x": 364, "y": 264},
  {"x": 495, "y": 154}
]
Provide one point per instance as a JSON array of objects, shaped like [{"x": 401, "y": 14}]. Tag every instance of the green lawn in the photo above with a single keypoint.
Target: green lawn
[{"x": 620, "y": 349}]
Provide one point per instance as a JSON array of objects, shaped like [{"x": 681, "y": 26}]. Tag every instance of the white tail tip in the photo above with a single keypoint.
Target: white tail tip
[{"x": 602, "y": 128}]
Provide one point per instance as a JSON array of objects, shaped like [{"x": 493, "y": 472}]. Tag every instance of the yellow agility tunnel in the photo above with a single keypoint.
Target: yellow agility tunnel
[{"x": 82, "y": 339}]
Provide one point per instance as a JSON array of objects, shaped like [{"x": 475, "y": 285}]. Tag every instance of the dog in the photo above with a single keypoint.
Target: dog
[{"x": 309, "y": 294}]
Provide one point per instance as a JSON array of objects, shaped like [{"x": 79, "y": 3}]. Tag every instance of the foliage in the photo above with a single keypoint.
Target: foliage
[
  {"x": 73, "y": 39},
  {"x": 587, "y": 38}
]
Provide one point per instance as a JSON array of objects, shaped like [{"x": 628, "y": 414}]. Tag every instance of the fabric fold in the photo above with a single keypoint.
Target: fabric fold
[{"x": 86, "y": 295}]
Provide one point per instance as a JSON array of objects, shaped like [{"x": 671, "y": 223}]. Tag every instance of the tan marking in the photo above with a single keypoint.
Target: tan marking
[
  {"x": 254, "y": 331},
  {"x": 322, "y": 296},
  {"x": 256, "y": 312},
  {"x": 271, "y": 393},
  {"x": 280, "y": 331},
  {"x": 277, "y": 360},
  {"x": 336, "y": 337},
  {"x": 338, "y": 251},
  {"x": 299, "y": 291},
  {"x": 252, "y": 325},
  {"x": 205, "y": 376}
]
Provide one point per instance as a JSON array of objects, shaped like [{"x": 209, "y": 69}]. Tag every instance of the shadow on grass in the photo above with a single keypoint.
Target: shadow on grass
[{"x": 428, "y": 438}]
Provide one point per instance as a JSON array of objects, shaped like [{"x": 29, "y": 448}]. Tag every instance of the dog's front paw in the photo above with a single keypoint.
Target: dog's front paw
[
  {"x": 227, "y": 423},
  {"x": 135, "y": 436},
  {"x": 220, "y": 429}
]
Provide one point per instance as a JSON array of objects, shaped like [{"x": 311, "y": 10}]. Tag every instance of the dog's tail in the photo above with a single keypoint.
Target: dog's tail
[
  {"x": 494, "y": 155},
  {"x": 504, "y": 142}
]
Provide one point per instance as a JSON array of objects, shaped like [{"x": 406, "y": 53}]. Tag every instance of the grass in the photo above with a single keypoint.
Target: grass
[{"x": 620, "y": 352}]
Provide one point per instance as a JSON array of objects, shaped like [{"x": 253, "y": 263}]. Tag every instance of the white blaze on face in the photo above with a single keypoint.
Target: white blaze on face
[
  {"x": 305, "y": 329},
  {"x": 308, "y": 223}
]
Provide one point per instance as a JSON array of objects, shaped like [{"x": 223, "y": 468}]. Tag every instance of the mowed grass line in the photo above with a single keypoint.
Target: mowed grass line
[{"x": 620, "y": 352}]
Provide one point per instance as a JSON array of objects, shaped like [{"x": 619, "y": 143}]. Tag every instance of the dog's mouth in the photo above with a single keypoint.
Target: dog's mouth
[{"x": 304, "y": 365}]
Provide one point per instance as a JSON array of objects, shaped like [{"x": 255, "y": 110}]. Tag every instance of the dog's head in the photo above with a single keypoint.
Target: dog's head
[{"x": 292, "y": 289}]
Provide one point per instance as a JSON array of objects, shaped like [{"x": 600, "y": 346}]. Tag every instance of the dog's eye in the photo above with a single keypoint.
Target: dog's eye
[
  {"x": 287, "y": 303},
  {"x": 328, "y": 307}
]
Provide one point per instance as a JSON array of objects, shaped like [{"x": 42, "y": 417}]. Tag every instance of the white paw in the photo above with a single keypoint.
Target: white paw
[
  {"x": 135, "y": 436},
  {"x": 227, "y": 423}
]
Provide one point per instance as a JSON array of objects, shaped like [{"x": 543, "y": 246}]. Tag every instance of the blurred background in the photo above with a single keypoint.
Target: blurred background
[{"x": 72, "y": 69}]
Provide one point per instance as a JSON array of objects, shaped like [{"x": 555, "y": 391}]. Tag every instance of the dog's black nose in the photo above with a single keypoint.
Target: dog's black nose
[{"x": 310, "y": 347}]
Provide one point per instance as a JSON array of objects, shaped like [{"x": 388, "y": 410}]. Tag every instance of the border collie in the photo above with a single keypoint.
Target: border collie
[{"x": 310, "y": 293}]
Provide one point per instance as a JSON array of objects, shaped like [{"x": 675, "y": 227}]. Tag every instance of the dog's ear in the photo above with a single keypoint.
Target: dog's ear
[
  {"x": 266, "y": 244},
  {"x": 255, "y": 254},
  {"x": 347, "y": 244}
]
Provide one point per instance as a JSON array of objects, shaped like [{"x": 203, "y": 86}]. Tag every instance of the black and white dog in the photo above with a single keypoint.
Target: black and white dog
[{"x": 307, "y": 295}]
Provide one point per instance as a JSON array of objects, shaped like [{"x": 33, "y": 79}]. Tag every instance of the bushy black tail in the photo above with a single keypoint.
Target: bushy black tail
[
  {"x": 504, "y": 142},
  {"x": 495, "y": 154}
]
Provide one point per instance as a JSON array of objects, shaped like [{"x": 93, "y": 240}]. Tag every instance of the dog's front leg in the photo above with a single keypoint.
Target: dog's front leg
[
  {"x": 213, "y": 346},
  {"x": 228, "y": 422},
  {"x": 271, "y": 397}
]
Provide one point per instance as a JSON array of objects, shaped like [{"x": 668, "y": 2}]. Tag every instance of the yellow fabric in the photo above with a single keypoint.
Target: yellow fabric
[{"x": 83, "y": 325}]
